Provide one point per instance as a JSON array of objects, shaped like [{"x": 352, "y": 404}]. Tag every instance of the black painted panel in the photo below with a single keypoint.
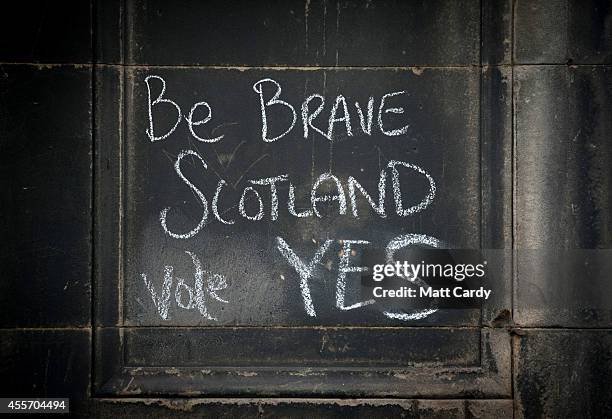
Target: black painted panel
[
  {"x": 301, "y": 347},
  {"x": 442, "y": 138}
]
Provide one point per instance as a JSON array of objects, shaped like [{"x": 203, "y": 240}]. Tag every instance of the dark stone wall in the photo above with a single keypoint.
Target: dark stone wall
[{"x": 557, "y": 55}]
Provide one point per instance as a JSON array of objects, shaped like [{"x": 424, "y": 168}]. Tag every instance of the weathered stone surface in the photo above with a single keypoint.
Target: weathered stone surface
[
  {"x": 563, "y": 31},
  {"x": 562, "y": 199},
  {"x": 488, "y": 409},
  {"x": 563, "y": 373},
  {"x": 560, "y": 163},
  {"x": 305, "y": 33}
]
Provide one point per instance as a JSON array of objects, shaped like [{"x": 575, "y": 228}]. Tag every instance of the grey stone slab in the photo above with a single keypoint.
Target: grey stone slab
[
  {"x": 394, "y": 33},
  {"x": 563, "y": 31},
  {"x": 563, "y": 373},
  {"x": 562, "y": 202}
]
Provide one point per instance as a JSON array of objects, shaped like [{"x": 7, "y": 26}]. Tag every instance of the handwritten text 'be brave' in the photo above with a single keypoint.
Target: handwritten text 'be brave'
[{"x": 269, "y": 92}]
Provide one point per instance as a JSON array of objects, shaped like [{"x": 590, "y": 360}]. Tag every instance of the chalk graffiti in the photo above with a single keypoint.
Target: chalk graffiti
[{"x": 266, "y": 197}]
